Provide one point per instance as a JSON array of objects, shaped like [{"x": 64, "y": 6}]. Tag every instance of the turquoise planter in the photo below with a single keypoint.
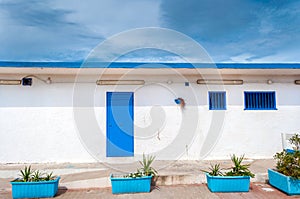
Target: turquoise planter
[
  {"x": 284, "y": 183},
  {"x": 42, "y": 189},
  {"x": 130, "y": 185},
  {"x": 228, "y": 183},
  {"x": 290, "y": 150}
]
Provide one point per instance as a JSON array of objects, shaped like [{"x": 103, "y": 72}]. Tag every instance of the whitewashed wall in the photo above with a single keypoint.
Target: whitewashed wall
[{"x": 37, "y": 123}]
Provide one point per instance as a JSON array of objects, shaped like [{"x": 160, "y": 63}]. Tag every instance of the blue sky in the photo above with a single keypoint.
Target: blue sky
[{"x": 230, "y": 31}]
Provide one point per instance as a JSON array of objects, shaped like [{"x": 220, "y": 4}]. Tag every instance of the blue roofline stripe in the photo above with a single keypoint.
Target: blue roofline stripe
[{"x": 75, "y": 65}]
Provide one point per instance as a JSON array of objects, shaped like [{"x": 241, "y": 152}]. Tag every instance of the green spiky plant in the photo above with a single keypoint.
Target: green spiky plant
[
  {"x": 238, "y": 168},
  {"x": 214, "y": 170},
  {"x": 146, "y": 169},
  {"x": 29, "y": 175},
  {"x": 26, "y": 174},
  {"x": 49, "y": 176},
  {"x": 37, "y": 176}
]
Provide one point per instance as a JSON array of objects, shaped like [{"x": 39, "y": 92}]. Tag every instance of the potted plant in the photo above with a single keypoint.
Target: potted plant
[
  {"x": 295, "y": 142},
  {"x": 237, "y": 179},
  {"x": 139, "y": 181},
  {"x": 286, "y": 176},
  {"x": 34, "y": 184}
]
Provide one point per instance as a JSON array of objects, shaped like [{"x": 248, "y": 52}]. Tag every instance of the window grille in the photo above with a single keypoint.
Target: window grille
[
  {"x": 217, "y": 100},
  {"x": 260, "y": 100}
]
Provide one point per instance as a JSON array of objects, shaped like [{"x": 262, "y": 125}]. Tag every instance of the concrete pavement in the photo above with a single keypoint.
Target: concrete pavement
[
  {"x": 96, "y": 175},
  {"x": 185, "y": 180}
]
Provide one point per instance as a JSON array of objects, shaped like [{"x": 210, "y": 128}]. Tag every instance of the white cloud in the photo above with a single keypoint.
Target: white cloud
[
  {"x": 242, "y": 58},
  {"x": 66, "y": 30}
]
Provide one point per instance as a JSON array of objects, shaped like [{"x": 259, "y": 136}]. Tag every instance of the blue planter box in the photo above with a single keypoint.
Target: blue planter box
[
  {"x": 130, "y": 185},
  {"x": 284, "y": 183},
  {"x": 42, "y": 189},
  {"x": 228, "y": 183},
  {"x": 290, "y": 150}
]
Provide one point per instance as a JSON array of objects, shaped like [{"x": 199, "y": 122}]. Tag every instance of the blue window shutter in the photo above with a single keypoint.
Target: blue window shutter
[
  {"x": 217, "y": 100},
  {"x": 259, "y": 100}
]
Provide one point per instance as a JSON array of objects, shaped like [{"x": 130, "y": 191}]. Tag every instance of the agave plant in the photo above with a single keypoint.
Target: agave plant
[
  {"x": 37, "y": 176},
  {"x": 26, "y": 174},
  {"x": 215, "y": 170},
  {"x": 146, "y": 169},
  {"x": 49, "y": 176},
  {"x": 239, "y": 169}
]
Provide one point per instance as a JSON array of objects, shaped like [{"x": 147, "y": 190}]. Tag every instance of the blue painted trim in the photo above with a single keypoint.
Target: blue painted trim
[{"x": 148, "y": 65}]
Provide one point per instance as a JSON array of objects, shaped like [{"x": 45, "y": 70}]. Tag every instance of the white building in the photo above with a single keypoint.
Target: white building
[{"x": 65, "y": 116}]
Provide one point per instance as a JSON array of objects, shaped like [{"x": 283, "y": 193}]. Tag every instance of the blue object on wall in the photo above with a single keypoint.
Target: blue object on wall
[
  {"x": 177, "y": 101},
  {"x": 119, "y": 124},
  {"x": 180, "y": 102}
]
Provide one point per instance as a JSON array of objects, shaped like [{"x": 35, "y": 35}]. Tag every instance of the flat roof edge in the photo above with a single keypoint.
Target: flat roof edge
[{"x": 11, "y": 64}]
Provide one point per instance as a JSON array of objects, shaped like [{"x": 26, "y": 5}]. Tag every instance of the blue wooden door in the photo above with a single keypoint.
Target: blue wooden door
[{"x": 119, "y": 124}]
